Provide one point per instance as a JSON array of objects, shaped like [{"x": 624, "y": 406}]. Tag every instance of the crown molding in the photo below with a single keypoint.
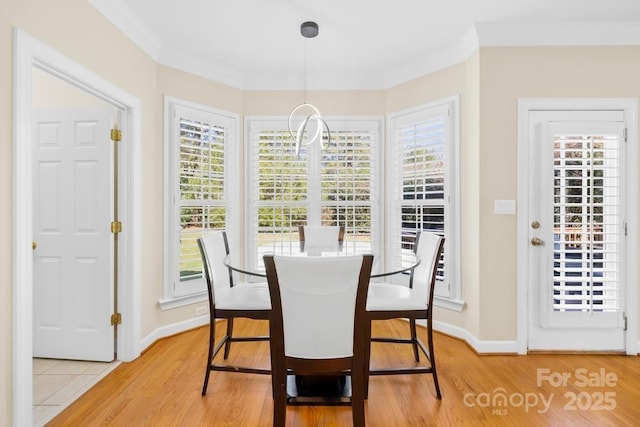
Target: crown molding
[
  {"x": 434, "y": 60},
  {"x": 200, "y": 67},
  {"x": 121, "y": 15},
  {"x": 476, "y": 36},
  {"x": 559, "y": 34}
]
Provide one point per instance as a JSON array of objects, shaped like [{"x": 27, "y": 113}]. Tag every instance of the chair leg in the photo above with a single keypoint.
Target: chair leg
[
  {"x": 432, "y": 357},
  {"x": 357, "y": 395},
  {"x": 367, "y": 357},
  {"x": 414, "y": 339},
  {"x": 279, "y": 397},
  {"x": 212, "y": 335},
  {"x": 227, "y": 345}
]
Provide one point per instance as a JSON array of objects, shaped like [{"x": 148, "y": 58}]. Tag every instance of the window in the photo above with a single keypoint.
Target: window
[
  {"x": 423, "y": 180},
  {"x": 587, "y": 222},
  {"x": 339, "y": 186},
  {"x": 200, "y": 148}
]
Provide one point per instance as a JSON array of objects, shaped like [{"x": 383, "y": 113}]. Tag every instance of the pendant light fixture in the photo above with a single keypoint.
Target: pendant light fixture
[{"x": 312, "y": 126}]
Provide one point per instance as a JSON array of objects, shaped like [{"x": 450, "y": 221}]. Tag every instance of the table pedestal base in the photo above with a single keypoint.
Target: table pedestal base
[{"x": 318, "y": 390}]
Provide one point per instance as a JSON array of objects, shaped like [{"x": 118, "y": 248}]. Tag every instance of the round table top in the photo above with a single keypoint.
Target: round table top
[{"x": 409, "y": 261}]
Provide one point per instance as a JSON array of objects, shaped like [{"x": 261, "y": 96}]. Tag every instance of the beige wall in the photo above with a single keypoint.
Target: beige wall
[
  {"x": 489, "y": 83},
  {"x": 507, "y": 74},
  {"x": 52, "y": 92},
  {"x": 178, "y": 84},
  {"x": 460, "y": 79}
]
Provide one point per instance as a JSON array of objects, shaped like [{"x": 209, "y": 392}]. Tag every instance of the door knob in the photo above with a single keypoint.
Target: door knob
[{"x": 537, "y": 241}]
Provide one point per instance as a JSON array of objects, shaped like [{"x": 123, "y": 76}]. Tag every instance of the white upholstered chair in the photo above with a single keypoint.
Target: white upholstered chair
[
  {"x": 390, "y": 301},
  {"x": 317, "y": 322},
  {"x": 315, "y": 239},
  {"x": 228, "y": 300}
]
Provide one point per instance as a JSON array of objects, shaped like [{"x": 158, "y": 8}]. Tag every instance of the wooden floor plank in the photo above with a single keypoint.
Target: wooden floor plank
[{"x": 162, "y": 388}]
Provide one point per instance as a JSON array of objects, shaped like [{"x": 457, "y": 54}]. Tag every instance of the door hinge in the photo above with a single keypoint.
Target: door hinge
[
  {"x": 116, "y": 227},
  {"x": 624, "y": 133},
  {"x": 116, "y": 319},
  {"x": 116, "y": 135},
  {"x": 626, "y": 231},
  {"x": 624, "y": 319}
]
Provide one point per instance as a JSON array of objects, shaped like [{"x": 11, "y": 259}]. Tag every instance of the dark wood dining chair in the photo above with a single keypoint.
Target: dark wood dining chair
[
  {"x": 228, "y": 300},
  {"x": 321, "y": 237},
  {"x": 317, "y": 323},
  {"x": 387, "y": 301}
]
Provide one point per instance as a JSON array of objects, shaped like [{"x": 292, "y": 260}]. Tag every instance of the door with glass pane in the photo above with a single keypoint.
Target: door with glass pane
[{"x": 576, "y": 230}]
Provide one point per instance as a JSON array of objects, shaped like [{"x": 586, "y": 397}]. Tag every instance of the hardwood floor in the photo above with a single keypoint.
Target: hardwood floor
[{"x": 162, "y": 388}]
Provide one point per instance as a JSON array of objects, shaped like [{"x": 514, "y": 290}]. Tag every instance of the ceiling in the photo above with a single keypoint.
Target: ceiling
[{"x": 362, "y": 44}]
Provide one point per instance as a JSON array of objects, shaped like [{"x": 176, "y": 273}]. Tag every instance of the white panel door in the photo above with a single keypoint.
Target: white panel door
[
  {"x": 576, "y": 231},
  {"x": 73, "y": 263}
]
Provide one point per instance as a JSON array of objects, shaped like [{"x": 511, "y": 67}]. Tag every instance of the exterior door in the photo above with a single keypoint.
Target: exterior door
[
  {"x": 73, "y": 281},
  {"x": 577, "y": 230}
]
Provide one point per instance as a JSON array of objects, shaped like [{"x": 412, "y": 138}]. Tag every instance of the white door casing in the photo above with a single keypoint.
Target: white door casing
[
  {"x": 73, "y": 282},
  {"x": 576, "y": 285},
  {"x": 28, "y": 53}
]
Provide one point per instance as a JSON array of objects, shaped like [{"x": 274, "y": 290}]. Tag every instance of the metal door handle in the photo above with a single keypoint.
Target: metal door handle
[
  {"x": 33, "y": 246},
  {"x": 537, "y": 241}
]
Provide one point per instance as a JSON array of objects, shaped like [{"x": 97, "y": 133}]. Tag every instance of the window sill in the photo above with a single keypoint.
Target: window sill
[
  {"x": 182, "y": 300},
  {"x": 449, "y": 303}
]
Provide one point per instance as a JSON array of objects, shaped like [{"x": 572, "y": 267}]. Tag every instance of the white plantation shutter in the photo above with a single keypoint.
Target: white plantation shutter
[
  {"x": 201, "y": 204},
  {"x": 348, "y": 188},
  {"x": 200, "y": 154},
  {"x": 278, "y": 189},
  {"x": 587, "y": 223},
  {"x": 421, "y": 141},
  {"x": 336, "y": 187}
]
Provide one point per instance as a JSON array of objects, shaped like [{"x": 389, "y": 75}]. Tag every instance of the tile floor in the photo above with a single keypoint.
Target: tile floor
[{"x": 57, "y": 383}]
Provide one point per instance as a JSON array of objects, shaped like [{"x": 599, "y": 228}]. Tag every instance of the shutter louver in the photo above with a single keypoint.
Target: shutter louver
[
  {"x": 279, "y": 191},
  {"x": 338, "y": 184},
  {"x": 421, "y": 148},
  {"x": 587, "y": 223},
  {"x": 201, "y": 201},
  {"x": 347, "y": 190}
]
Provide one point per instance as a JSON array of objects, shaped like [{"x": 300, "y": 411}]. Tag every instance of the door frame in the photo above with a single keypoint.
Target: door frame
[
  {"x": 630, "y": 108},
  {"x": 28, "y": 53}
]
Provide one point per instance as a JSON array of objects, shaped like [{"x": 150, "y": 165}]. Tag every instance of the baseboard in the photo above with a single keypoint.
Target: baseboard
[
  {"x": 493, "y": 347},
  {"x": 175, "y": 328},
  {"x": 480, "y": 347}
]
